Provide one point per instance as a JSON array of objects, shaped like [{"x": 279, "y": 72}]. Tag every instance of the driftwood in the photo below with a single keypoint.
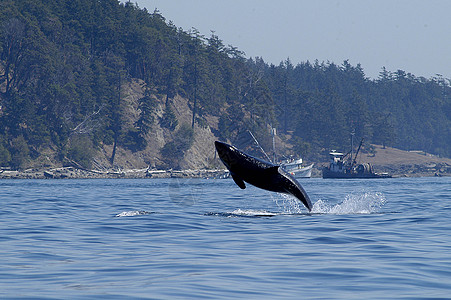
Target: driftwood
[{"x": 72, "y": 172}]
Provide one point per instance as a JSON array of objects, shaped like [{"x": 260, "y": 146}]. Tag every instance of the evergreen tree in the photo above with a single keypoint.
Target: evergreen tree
[{"x": 60, "y": 63}]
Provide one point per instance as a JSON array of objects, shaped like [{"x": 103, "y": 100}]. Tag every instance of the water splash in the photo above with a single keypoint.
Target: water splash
[
  {"x": 358, "y": 203},
  {"x": 361, "y": 203},
  {"x": 132, "y": 213},
  {"x": 248, "y": 213},
  {"x": 288, "y": 204},
  {"x": 251, "y": 213}
]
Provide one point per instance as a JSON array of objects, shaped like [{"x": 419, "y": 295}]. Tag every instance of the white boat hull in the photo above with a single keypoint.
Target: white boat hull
[{"x": 300, "y": 172}]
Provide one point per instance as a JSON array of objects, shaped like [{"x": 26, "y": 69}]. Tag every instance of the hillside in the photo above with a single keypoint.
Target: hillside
[
  {"x": 409, "y": 163},
  {"x": 200, "y": 154},
  {"x": 106, "y": 85},
  {"x": 400, "y": 163}
]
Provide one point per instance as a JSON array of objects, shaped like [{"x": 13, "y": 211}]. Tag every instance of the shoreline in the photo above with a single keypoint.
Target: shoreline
[{"x": 76, "y": 173}]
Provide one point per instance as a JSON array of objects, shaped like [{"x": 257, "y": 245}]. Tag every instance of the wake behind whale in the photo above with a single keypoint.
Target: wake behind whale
[
  {"x": 364, "y": 203},
  {"x": 356, "y": 203}
]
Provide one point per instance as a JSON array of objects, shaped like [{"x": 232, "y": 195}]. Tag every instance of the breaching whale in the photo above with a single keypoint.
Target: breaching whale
[{"x": 260, "y": 173}]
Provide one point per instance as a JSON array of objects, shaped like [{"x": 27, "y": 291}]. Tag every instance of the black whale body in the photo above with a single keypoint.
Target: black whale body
[{"x": 260, "y": 173}]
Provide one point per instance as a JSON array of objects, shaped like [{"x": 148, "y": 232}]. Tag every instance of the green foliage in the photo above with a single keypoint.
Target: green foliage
[
  {"x": 133, "y": 140},
  {"x": 169, "y": 120},
  {"x": 146, "y": 118},
  {"x": 19, "y": 152},
  {"x": 231, "y": 123},
  {"x": 63, "y": 63},
  {"x": 324, "y": 103},
  {"x": 81, "y": 150},
  {"x": 5, "y": 156},
  {"x": 171, "y": 155},
  {"x": 174, "y": 150},
  {"x": 299, "y": 146}
]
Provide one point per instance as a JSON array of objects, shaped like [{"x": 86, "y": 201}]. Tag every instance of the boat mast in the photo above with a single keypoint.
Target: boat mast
[
  {"x": 352, "y": 146},
  {"x": 357, "y": 153},
  {"x": 273, "y": 133},
  {"x": 260, "y": 147}
]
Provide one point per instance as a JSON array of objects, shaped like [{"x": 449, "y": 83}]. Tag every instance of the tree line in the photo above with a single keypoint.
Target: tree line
[
  {"x": 322, "y": 103},
  {"x": 63, "y": 64}
]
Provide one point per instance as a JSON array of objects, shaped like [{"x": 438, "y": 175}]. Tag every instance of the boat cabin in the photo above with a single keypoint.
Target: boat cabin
[{"x": 336, "y": 161}]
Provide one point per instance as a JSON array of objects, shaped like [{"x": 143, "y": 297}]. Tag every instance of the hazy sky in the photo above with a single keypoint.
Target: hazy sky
[{"x": 411, "y": 35}]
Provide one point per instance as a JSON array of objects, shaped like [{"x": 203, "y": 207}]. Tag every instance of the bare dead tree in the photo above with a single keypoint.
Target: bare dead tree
[{"x": 87, "y": 125}]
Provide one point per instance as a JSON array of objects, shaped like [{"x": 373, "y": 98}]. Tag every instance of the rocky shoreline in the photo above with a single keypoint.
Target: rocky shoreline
[
  {"x": 76, "y": 173},
  {"x": 408, "y": 170}
]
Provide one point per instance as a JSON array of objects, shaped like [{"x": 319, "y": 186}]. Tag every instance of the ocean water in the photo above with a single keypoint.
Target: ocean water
[{"x": 208, "y": 239}]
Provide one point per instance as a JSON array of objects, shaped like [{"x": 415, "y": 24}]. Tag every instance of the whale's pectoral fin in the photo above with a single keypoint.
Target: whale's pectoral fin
[{"x": 239, "y": 182}]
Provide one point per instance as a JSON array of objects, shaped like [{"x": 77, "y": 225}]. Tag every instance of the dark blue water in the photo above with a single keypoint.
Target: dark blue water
[{"x": 194, "y": 239}]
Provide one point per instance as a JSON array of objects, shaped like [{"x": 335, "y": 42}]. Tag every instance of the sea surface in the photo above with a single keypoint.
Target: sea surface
[{"x": 208, "y": 239}]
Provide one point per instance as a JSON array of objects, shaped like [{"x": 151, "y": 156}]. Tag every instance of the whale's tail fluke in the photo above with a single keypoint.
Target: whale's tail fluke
[
  {"x": 304, "y": 198},
  {"x": 297, "y": 190}
]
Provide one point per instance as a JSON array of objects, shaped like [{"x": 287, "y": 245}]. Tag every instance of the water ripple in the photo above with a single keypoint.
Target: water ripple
[{"x": 147, "y": 239}]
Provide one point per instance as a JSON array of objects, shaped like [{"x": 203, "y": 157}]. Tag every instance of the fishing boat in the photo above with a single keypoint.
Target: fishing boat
[
  {"x": 292, "y": 166},
  {"x": 296, "y": 168},
  {"x": 345, "y": 166}
]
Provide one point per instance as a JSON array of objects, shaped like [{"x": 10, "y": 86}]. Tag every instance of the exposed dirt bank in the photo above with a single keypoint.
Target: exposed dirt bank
[
  {"x": 391, "y": 160},
  {"x": 402, "y": 163}
]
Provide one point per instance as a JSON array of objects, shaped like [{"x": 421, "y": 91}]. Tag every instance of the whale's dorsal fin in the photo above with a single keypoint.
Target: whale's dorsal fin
[{"x": 238, "y": 181}]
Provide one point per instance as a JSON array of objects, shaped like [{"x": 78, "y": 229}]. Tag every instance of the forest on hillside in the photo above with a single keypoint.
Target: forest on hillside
[{"x": 63, "y": 63}]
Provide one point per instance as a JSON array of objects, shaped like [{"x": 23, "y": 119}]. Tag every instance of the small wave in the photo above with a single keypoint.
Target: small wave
[
  {"x": 364, "y": 203},
  {"x": 252, "y": 213},
  {"x": 245, "y": 213},
  {"x": 133, "y": 213}
]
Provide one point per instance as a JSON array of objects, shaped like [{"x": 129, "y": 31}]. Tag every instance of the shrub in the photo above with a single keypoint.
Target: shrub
[
  {"x": 19, "y": 152},
  {"x": 174, "y": 151},
  {"x": 81, "y": 150},
  {"x": 5, "y": 156}
]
